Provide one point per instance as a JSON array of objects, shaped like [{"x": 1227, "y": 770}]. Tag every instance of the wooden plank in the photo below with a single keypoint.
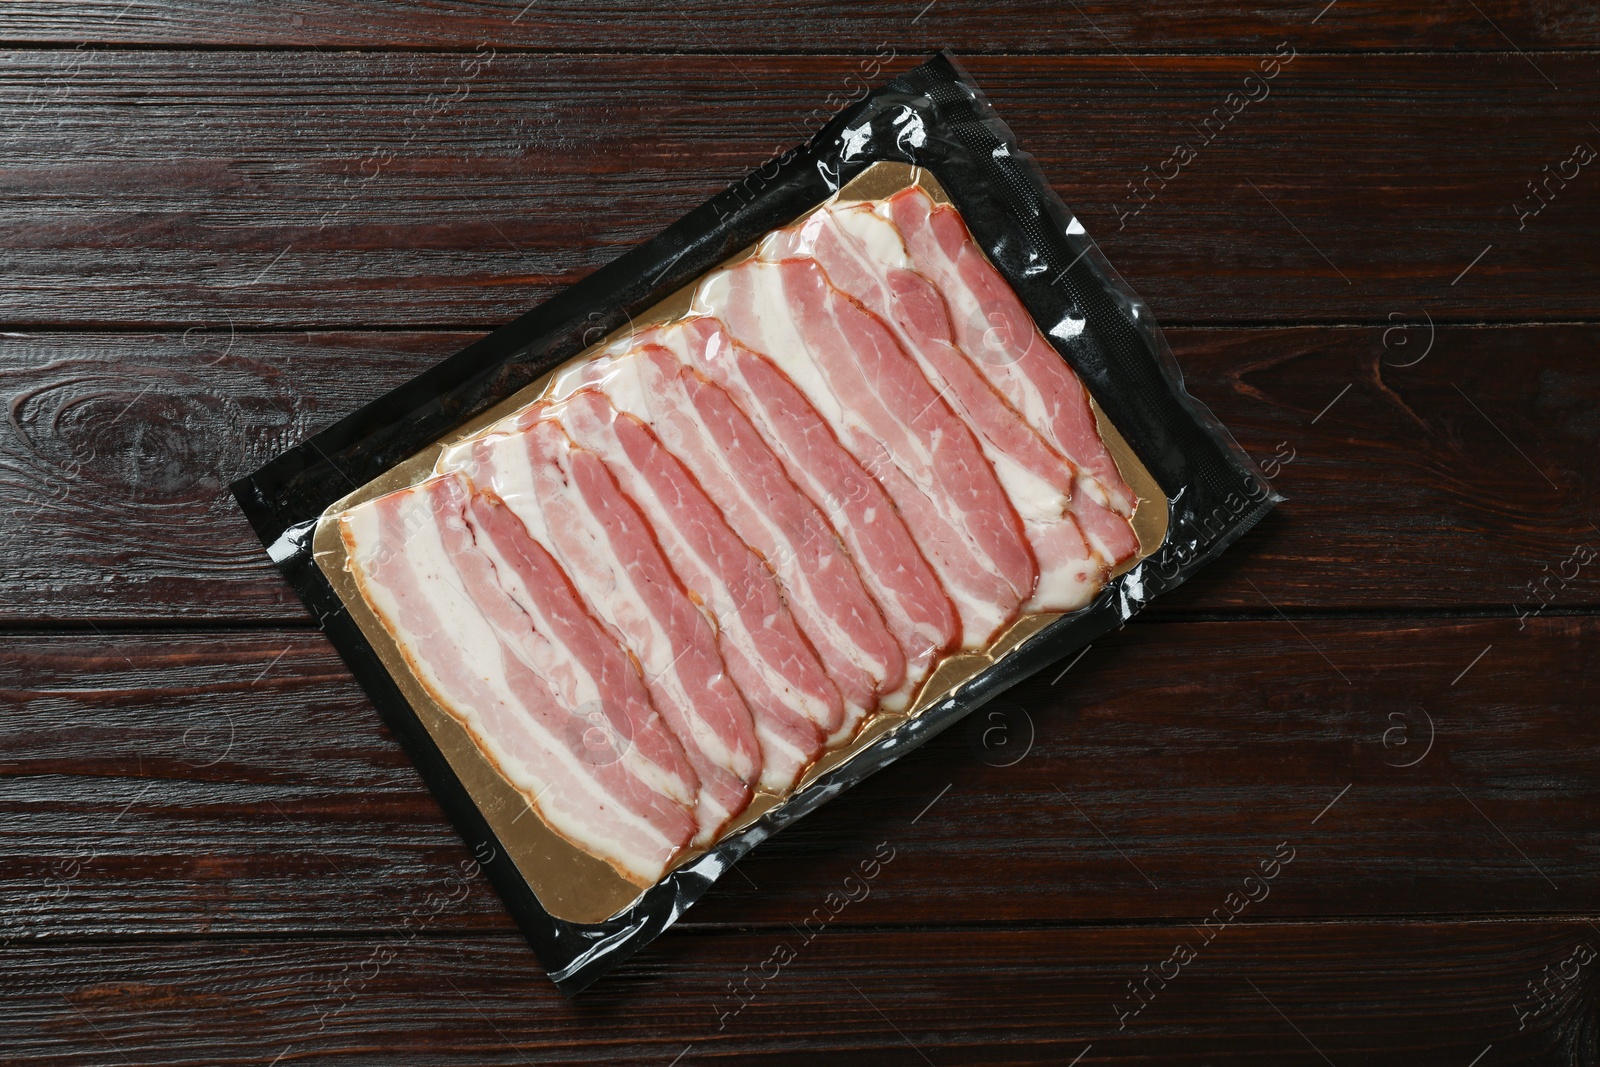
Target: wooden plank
[
  {"x": 1426, "y": 468},
  {"x": 114, "y": 467},
  {"x": 1420, "y": 486},
  {"x": 250, "y": 788},
  {"x": 1383, "y": 994},
  {"x": 912, "y": 26},
  {"x": 298, "y": 189},
  {"x": 212, "y": 853},
  {"x": 197, "y": 755}
]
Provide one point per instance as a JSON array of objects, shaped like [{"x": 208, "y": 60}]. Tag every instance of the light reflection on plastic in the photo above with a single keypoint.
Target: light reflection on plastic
[
  {"x": 855, "y": 141},
  {"x": 913, "y": 134},
  {"x": 292, "y": 541},
  {"x": 1132, "y": 593},
  {"x": 1067, "y": 328},
  {"x": 829, "y": 178}
]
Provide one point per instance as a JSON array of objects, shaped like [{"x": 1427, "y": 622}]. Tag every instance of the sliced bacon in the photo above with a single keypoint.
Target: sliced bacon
[
  {"x": 536, "y": 736},
  {"x": 523, "y": 593},
  {"x": 882, "y": 408},
  {"x": 868, "y": 262},
  {"x": 914, "y": 605},
  {"x": 569, "y": 502},
  {"x": 789, "y": 694},
  {"x": 717, "y": 548},
  {"x": 700, "y": 424},
  {"x": 999, "y": 336}
]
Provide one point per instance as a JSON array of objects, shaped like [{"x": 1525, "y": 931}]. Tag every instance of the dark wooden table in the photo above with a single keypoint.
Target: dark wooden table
[{"x": 225, "y": 224}]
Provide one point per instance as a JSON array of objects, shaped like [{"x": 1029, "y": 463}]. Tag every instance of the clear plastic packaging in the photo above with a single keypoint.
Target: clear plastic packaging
[{"x": 930, "y": 128}]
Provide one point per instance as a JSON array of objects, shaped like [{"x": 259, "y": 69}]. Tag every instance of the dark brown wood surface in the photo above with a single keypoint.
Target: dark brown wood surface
[
  {"x": 228, "y": 224},
  {"x": 706, "y": 27},
  {"x": 1388, "y": 994},
  {"x": 1124, "y": 790},
  {"x": 310, "y": 188}
]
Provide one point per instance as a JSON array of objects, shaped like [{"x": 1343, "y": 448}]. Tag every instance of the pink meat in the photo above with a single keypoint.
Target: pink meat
[
  {"x": 999, "y": 335},
  {"x": 914, "y": 605},
  {"x": 700, "y": 424},
  {"x": 570, "y": 503},
  {"x": 789, "y": 694},
  {"x": 540, "y": 740},
  {"x": 865, "y": 264},
  {"x": 544, "y": 623},
  {"x": 882, "y": 408}
]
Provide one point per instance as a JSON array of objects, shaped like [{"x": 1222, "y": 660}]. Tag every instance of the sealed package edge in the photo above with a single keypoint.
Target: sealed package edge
[{"x": 752, "y": 511}]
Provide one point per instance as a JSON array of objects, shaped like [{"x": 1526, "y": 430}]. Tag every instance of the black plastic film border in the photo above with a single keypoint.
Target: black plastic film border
[{"x": 935, "y": 117}]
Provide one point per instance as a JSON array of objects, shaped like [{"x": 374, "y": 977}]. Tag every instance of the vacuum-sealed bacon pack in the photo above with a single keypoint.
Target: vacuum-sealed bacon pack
[{"x": 753, "y": 510}]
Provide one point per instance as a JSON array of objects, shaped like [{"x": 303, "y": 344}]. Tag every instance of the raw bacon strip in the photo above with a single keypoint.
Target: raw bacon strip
[
  {"x": 999, "y": 336},
  {"x": 884, "y": 411},
  {"x": 1107, "y": 532},
  {"x": 869, "y": 264},
  {"x": 572, "y": 506},
  {"x": 790, "y": 696},
  {"x": 522, "y": 723},
  {"x": 529, "y": 601},
  {"x": 914, "y": 605},
  {"x": 701, "y": 425}
]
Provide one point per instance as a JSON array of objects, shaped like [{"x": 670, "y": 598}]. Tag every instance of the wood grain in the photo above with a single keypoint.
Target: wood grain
[
  {"x": 307, "y": 189},
  {"x": 116, "y": 459},
  {"x": 251, "y": 788},
  {"x": 699, "y": 26},
  {"x": 115, "y": 462},
  {"x": 1426, "y": 468},
  {"x": 1392, "y": 993},
  {"x": 228, "y": 224}
]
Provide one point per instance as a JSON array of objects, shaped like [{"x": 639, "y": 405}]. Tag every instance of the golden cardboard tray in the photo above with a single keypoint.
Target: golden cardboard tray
[{"x": 570, "y": 883}]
